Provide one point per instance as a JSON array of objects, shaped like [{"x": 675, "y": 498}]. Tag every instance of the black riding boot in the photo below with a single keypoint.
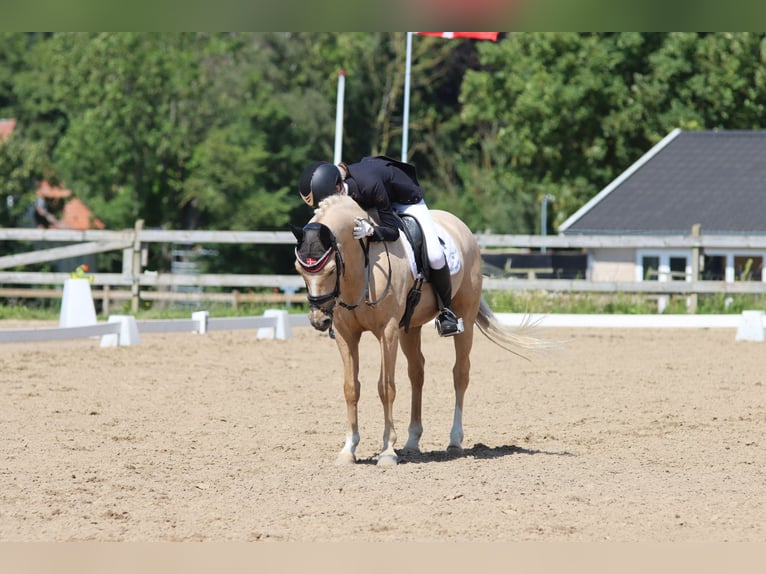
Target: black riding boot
[{"x": 447, "y": 323}]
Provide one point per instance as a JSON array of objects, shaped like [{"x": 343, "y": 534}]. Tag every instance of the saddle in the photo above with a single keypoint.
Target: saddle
[{"x": 414, "y": 234}]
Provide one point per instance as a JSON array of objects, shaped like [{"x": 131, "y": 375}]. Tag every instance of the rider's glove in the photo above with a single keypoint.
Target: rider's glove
[{"x": 363, "y": 228}]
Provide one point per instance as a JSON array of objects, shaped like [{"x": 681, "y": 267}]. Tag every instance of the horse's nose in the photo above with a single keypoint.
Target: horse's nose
[{"x": 320, "y": 320}]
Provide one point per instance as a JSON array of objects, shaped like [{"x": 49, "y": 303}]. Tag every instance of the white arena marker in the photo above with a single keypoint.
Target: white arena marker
[
  {"x": 281, "y": 330},
  {"x": 77, "y": 308},
  {"x": 201, "y": 318},
  {"x": 751, "y": 327},
  {"x": 128, "y": 334}
]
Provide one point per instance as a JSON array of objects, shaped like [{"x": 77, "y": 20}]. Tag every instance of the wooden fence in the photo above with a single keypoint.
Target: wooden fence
[{"x": 136, "y": 283}]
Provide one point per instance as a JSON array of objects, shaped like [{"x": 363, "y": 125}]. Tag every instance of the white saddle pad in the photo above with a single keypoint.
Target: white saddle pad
[{"x": 450, "y": 252}]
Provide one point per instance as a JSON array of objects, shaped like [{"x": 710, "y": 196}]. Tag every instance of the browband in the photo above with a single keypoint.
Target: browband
[{"x": 311, "y": 264}]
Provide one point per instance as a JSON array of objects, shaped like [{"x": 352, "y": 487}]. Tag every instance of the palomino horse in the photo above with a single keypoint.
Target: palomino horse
[{"x": 356, "y": 286}]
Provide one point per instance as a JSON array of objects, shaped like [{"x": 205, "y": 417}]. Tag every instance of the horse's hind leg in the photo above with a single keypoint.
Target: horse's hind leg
[
  {"x": 460, "y": 377},
  {"x": 410, "y": 343}
]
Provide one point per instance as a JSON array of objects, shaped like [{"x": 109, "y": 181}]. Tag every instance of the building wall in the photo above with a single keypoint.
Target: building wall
[{"x": 612, "y": 264}]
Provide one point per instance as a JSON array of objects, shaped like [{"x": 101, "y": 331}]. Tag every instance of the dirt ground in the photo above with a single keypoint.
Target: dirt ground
[{"x": 623, "y": 435}]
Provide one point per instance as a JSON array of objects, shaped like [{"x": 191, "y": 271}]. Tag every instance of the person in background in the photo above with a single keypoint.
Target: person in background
[{"x": 43, "y": 216}]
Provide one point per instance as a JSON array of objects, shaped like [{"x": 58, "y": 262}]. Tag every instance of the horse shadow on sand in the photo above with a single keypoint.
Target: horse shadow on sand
[{"x": 478, "y": 451}]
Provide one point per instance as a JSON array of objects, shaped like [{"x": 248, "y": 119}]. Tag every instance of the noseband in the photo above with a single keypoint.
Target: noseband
[{"x": 326, "y": 303}]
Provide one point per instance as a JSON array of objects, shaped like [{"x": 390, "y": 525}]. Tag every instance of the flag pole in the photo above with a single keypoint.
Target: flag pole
[
  {"x": 406, "y": 117},
  {"x": 339, "y": 116},
  {"x": 408, "y": 69}
]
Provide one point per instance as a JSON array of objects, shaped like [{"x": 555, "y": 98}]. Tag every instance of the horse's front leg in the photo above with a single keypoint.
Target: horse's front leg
[
  {"x": 389, "y": 342},
  {"x": 410, "y": 343},
  {"x": 348, "y": 345}
]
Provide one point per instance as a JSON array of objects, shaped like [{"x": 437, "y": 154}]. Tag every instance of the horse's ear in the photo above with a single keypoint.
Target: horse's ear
[
  {"x": 326, "y": 236},
  {"x": 297, "y": 231}
]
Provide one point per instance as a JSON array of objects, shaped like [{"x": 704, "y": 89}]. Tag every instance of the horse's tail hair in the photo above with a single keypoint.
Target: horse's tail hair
[{"x": 512, "y": 339}]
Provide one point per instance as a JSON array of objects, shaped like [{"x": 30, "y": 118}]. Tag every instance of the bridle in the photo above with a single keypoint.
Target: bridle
[{"x": 327, "y": 302}]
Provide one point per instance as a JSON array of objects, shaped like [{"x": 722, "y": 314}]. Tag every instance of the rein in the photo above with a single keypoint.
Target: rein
[
  {"x": 311, "y": 265},
  {"x": 368, "y": 274}
]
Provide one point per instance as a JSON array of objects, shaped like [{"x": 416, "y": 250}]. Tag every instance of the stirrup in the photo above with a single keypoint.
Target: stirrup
[{"x": 448, "y": 324}]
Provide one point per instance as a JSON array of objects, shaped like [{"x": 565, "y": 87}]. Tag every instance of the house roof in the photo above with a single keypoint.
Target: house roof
[
  {"x": 6, "y": 128},
  {"x": 76, "y": 215},
  {"x": 714, "y": 178}
]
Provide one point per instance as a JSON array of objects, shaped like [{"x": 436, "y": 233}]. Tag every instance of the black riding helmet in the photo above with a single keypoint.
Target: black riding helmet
[{"x": 318, "y": 181}]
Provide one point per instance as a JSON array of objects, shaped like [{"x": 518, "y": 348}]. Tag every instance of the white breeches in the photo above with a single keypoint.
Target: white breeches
[{"x": 434, "y": 247}]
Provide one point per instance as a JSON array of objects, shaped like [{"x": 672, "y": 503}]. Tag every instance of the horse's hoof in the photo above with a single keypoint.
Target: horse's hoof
[
  {"x": 345, "y": 459},
  {"x": 411, "y": 451},
  {"x": 387, "y": 460},
  {"x": 454, "y": 451}
]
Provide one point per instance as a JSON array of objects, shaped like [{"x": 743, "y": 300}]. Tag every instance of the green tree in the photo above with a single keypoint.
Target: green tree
[
  {"x": 23, "y": 160},
  {"x": 133, "y": 114},
  {"x": 13, "y": 46},
  {"x": 704, "y": 81},
  {"x": 552, "y": 115},
  {"x": 22, "y": 165}
]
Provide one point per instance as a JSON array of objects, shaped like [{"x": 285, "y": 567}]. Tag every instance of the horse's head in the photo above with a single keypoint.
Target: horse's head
[
  {"x": 319, "y": 256},
  {"x": 318, "y": 261}
]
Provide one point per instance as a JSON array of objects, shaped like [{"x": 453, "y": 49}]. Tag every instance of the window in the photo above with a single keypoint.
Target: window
[
  {"x": 677, "y": 269},
  {"x": 659, "y": 266},
  {"x": 713, "y": 268},
  {"x": 748, "y": 267},
  {"x": 651, "y": 268}
]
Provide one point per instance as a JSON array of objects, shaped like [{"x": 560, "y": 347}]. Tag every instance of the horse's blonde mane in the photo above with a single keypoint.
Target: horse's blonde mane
[{"x": 326, "y": 204}]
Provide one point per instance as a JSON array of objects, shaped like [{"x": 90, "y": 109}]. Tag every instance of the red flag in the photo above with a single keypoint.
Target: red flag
[{"x": 473, "y": 35}]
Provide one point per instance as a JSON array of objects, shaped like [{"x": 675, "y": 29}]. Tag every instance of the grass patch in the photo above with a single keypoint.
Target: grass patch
[
  {"x": 28, "y": 313},
  {"x": 499, "y": 301},
  {"x": 148, "y": 311},
  {"x": 49, "y": 310},
  {"x": 616, "y": 303}
]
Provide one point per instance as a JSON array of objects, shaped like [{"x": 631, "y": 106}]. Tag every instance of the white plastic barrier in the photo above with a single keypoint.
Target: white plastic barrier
[
  {"x": 751, "y": 326},
  {"x": 57, "y": 333},
  {"x": 201, "y": 317},
  {"x": 124, "y": 330},
  {"x": 622, "y": 321},
  {"x": 126, "y": 336},
  {"x": 281, "y": 328}
]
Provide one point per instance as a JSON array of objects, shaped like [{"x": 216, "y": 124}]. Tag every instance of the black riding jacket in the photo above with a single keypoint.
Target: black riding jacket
[{"x": 378, "y": 182}]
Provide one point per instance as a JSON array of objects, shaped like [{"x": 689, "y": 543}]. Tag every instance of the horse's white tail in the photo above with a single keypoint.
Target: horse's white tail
[{"x": 511, "y": 338}]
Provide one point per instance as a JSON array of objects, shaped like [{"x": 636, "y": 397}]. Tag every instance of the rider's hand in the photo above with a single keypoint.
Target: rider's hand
[{"x": 363, "y": 228}]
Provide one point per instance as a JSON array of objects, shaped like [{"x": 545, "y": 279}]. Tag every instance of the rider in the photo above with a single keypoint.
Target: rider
[{"x": 387, "y": 185}]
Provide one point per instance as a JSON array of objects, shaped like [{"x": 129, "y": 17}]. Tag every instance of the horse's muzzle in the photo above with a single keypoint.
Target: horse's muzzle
[{"x": 320, "y": 319}]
